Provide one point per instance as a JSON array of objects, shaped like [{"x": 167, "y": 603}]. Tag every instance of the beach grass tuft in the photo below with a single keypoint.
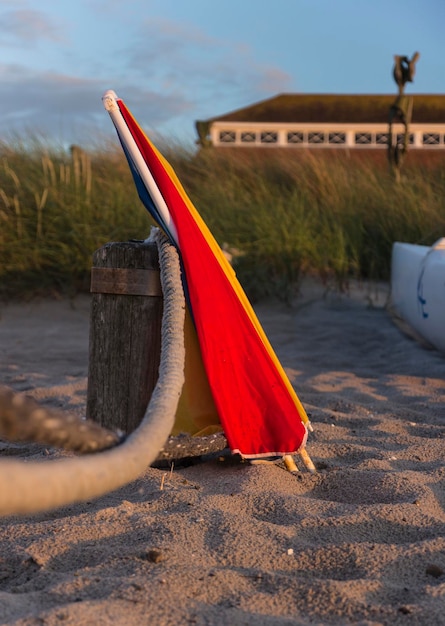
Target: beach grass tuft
[{"x": 283, "y": 213}]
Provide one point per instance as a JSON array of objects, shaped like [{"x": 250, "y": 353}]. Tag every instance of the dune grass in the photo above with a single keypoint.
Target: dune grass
[{"x": 283, "y": 213}]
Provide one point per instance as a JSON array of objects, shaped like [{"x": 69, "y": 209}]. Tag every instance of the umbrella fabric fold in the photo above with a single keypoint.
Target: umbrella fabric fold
[{"x": 259, "y": 411}]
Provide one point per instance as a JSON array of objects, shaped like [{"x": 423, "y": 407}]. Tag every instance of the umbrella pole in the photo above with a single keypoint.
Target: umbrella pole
[{"x": 109, "y": 100}]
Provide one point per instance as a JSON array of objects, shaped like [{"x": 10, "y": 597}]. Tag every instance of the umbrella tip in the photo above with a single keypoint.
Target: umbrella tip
[
  {"x": 109, "y": 100},
  {"x": 307, "y": 461}
]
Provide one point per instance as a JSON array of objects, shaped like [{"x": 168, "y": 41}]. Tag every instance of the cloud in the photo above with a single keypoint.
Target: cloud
[
  {"x": 69, "y": 108},
  {"x": 179, "y": 59},
  {"x": 169, "y": 73},
  {"x": 25, "y": 27}
]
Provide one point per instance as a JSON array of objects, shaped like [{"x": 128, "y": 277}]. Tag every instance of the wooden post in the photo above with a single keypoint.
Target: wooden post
[{"x": 125, "y": 333}]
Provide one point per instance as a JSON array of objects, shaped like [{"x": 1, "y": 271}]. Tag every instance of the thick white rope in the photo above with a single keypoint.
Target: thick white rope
[
  {"x": 38, "y": 486},
  {"x": 23, "y": 419}
]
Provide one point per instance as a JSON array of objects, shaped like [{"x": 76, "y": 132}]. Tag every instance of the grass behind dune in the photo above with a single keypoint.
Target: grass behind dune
[
  {"x": 55, "y": 210},
  {"x": 330, "y": 214},
  {"x": 284, "y": 213}
]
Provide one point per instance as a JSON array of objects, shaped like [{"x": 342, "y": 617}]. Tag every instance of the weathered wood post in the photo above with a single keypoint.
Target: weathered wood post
[{"x": 125, "y": 333}]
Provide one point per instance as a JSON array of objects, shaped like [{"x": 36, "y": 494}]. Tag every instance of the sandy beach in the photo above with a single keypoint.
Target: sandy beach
[{"x": 226, "y": 543}]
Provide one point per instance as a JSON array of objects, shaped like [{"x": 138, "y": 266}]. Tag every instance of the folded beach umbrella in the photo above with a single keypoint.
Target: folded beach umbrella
[{"x": 258, "y": 409}]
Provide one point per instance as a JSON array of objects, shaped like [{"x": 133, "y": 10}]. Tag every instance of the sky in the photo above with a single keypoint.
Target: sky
[{"x": 176, "y": 61}]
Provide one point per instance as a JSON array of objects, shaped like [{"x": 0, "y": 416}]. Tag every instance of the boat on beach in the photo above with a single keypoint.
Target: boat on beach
[{"x": 418, "y": 290}]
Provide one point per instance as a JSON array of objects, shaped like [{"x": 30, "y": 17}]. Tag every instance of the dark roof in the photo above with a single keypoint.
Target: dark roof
[{"x": 341, "y": 108}]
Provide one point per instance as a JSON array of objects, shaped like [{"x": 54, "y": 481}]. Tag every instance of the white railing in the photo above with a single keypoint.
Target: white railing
[{"x": 359, "y": 136}]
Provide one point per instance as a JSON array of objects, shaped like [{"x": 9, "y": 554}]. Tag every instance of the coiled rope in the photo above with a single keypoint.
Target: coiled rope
[
  {"x": 22, "y": 419},
  {"x": 38, "y": 486}
]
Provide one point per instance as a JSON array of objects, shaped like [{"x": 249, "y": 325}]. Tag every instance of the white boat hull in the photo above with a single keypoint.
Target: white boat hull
[{"x": 418, "y": 289}]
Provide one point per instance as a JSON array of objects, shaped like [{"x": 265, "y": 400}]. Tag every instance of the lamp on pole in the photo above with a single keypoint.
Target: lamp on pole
[{"x": 401, "y": 111}]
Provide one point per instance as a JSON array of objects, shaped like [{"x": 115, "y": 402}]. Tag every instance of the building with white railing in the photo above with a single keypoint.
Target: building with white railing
[{"x": 326, "y": 121}]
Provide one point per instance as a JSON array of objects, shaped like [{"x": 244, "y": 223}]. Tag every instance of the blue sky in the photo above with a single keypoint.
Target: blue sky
[{"x": 175, "y": 61}]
